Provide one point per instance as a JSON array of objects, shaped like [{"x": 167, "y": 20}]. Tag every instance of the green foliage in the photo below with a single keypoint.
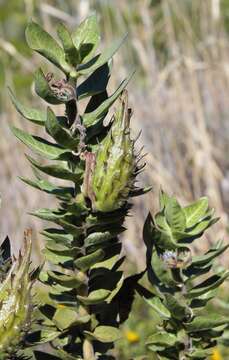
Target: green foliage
[
  {"x": 182, "y": 285},
  {"x": 88, "y": 295},
  {"x": 85, "y": 296}
]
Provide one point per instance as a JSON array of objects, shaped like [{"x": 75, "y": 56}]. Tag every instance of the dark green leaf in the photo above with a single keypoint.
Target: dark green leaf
[
  {"x": 58, "y": 133},
  {"x": 95, "y": 83},
  {"x": 100, "y": 59},
  {"x": 91, "y": 118},
  {"x": 36, "y": 116},
  {"x": 40, "y": 146}
]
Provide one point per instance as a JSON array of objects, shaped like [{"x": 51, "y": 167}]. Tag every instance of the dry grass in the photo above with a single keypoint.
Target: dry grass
[{"x": 179, "y": 97}]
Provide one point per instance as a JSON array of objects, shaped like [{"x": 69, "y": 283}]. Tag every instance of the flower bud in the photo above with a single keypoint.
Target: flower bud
[
  {"x": 15, "y": 303},
  {"x": 114, "y": 171}
]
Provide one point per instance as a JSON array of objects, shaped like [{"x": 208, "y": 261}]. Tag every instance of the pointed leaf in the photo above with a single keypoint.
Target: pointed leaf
[
  {"x": 100, "y": 59},
  {"x": 86, "y": 38},
  {"x": 71, "y": 53},
  {"x": 158, "y": 306},
  {"x": 40, "y": 41},
  {"x": 41, "y": 146},
  {"x": 95, "y": 83},
  {"x": 175, "y": 215},
  {"x": 206, "y": 322},
  {"x": 36, "y": 116},
  {"x": 59, "y": 171},
  {"x": 195, "y": 211},
  {"x": 91, "y": 118},
  {"x": 58, "y": 133}
]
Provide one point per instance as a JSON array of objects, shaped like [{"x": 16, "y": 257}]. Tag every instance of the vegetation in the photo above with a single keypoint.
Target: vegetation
[{"x": 84, "y": 296}]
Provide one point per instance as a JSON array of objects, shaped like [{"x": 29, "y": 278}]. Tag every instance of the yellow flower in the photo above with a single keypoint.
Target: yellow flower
[
  {"x": 216, "y": 355},
  {"x": 132, "y": 336}
]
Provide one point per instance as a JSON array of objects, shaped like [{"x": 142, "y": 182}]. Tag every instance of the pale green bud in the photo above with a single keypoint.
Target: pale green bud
[{"x": 115, "y": 164}]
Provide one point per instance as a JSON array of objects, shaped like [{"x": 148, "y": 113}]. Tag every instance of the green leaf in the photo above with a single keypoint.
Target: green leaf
[
  {"x": 98, "y": 238},
  {"x": 95, "y": 297},
  {"x": 69, "y": 281},
  {"x": 158, "y": 306},
  {"x": 105, "y": 334},
  {"x": 85, "y": 262},
  {"x": 36, "y": 116},
  {"x": 40, "y": 146},
  {"x": 210, "y": 255},
  {"x": 91, "y": 118},
  {"x": 58, "y": 235},
  {"x": 200, "y": 353},
  {"x": 43, "y": 89},
  {"x": 202, "y": 226},
  {"x": 86, "y": 38},
  {"x": 71, "y": 53},
  {"x": 60, "y": 171},
  {"x": 210, "y": 284},
  {"x": 100, "y": 59},
  {"x": 58, "y": 133},
  {"x": 65, "y": 318},
  {"x": 96, "y": 83},
  {"x": 162, "y": 338},
  {"x": 40, "y": 41},
  {"x": 175, "y": 215},
  {"x": 56, "y": 258},
  {"x": 46, "y": 186},
  {"x": 163, "y": 199},
  {"x": 207, "y": 322},
  {"x": 196, "y": 211},
  {"x": 177, "y": 308}
]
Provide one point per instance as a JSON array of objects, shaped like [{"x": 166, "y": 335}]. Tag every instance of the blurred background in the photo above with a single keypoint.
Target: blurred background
[{"x": 179, "y": 94}]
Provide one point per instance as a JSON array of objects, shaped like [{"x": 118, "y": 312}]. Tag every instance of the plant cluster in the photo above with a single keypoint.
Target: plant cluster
[{"x": 83, "y": 295}]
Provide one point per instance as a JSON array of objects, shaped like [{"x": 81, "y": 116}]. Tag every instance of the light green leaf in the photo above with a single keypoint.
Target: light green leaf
[
  {"x": 175, "y": 215},
  {"x": 196, "y": 211},
  {"x": 85, "y": 262},
  {"x": 41, "y": 146},
  {"x": 86, "y": 38},
  {"x": 40, "y": 41},
  {"x": 158, "y": 306},
  {"x": 211, "y": 283},
  {"x": 162, "y": 338},
  {"x": 100, "y": 59},
  {"x": 207, "y": 322},
  {"x": 58, "y": 235},
  {"x": 36, "y": 116},
  {"x": 95, "y": 297},
  {"x": 91, "y": 118},
  {"x": 66, "y": 317},
  {"x": 203, "y": 260},
  {"x": 71, "y": 53},
  {"x": 105, "y": 334}
]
